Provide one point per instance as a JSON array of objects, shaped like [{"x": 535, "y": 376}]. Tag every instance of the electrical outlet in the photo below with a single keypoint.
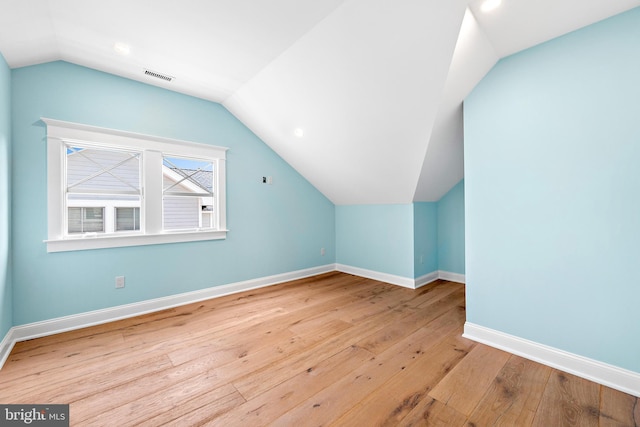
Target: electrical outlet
[
  {"x": 322, "y": 251},
  {"x": 119, "y": 282}
]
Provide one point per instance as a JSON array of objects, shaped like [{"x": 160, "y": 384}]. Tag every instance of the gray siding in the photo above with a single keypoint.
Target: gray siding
[
  {"x": 181, "y": 212},
  {"x": 91, "y": 161}
]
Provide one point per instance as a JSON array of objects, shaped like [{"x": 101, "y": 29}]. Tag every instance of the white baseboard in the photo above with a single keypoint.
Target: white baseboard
[
  {"x": 592, "y": 370},
  {"x": 6, "y": 345},
  {"x": 376, "y": 275},
  {"x": 91, "y": 318},
  {"x": 405, "y": 282},
  {"x": 452, "y": 277},
  {"x": 426, "y": 279},
  {"x": 400, "y": 280}
]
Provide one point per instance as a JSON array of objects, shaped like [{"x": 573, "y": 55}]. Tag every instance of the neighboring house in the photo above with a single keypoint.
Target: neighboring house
[
  {"x": 104, "y": 192},
  {"x": 183, "y": 212}
]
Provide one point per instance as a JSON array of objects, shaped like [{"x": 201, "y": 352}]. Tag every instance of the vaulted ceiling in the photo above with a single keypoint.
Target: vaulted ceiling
[{"x": 374, "y": 87}]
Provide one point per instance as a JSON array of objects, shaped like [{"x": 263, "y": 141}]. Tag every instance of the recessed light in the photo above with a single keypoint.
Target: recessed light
[
  {"x": 298, "y": 132},
  {"x": 122, "y": 48},
  {"x": 489, "y": 5}
]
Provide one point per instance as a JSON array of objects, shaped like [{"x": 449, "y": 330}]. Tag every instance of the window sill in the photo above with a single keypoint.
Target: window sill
[{"x": 119, "y": 241}]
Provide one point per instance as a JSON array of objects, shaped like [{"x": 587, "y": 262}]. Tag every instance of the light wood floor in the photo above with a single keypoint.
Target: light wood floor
[{"x": 330, "y": 350}]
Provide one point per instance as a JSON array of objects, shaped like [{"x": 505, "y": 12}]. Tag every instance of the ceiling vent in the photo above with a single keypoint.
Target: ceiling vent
[{"x": 158, "y": 75}]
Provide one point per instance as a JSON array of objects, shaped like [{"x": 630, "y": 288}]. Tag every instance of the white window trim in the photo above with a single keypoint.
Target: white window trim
[{"x": 153, "y": 148}]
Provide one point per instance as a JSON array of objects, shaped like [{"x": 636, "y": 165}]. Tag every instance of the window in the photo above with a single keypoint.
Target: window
[
  {"x": 110, "y": 188},
  {"x": 102, "y": 178},
  {"x": 187, "y": 186},
  {"x": 85, "y": 220},
  {"x": 127, "y": 219}
]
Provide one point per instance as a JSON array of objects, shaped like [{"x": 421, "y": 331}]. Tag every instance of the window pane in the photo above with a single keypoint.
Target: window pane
[
  {"x": 127, "y": 219},
  {"x": 74, "y": 216},
  {"x": 100, "y": 176},
  {"x": 93, "y": 220},
  {"x": 97, "y": 170},
  {"x": 85, "y": 220},
  {"x": 187, "y": 193},
  {"x": 206, "y": 216}
]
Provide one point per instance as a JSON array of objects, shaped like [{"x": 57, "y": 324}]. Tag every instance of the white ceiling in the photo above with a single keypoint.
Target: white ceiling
[{"x": 376, "y": 85}]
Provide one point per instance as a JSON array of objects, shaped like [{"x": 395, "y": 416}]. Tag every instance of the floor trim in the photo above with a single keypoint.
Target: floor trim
[
  {"x": 592, "y": 370},
  {"x": 376, "y": 275},
  {"x": 405, "y": 282},
  {"x": 452, "y": 277},
  {"x": 426, "y": 279},
  {"x": 6, "y": 345},
  {"x": 91, "y": 318}
]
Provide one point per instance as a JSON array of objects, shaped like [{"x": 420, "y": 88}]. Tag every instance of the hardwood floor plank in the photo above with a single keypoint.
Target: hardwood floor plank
[
  {"x": 389, "y": 404},
  {"x": 434, "y": 292},
  {"x": 465, "y": 385},
  {"x": 230, "y": 347},
  {"x": 514, "y": 395},
  {"x": 221, "y": 313},
  {"x": 163, "y": 400},
  {"x": 270, "y": 375},
  {"x": 334, "y": 401},
  {"x": 417, "y": 318},
  {"x": 199, "y": 410},
  {"x": 618, "y": 409},
  {"x": 319, "y": 323},
  {"x": 379, "y": 303},
  {"x": 252, "y": 364},
  {"x": 430, "y": 412},
  {"x": 72, "y": 387},
  {"x": 271, "y": 404},
  {"x": 111, "y": 399},
  {"x": 568, "y": 401},
  {"x": 27, "y": 362}
]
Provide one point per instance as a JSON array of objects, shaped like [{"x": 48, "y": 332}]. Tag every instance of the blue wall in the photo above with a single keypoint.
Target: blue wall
[
  {"x": 451, "y": 230},
  {"x": 376, "y": 237},
  {"x": 409, "y": 241},
  {"x": 425, "y": 219},
  {"x": 552, "y": 181},
  {"x": 273, "y": 228},
  {"x": 6, "y": 307}
]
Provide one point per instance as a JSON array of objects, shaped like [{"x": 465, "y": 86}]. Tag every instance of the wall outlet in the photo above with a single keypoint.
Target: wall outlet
[
  {"x": 322, "y": 251},
  {"x": 119, "y": 282}
]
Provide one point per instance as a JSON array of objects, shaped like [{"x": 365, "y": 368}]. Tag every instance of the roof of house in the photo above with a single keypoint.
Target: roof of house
[{"x": 201, "y": 178}]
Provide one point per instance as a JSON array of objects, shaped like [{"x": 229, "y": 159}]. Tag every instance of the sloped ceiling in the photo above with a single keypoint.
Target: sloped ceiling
[
  {"x": 364, "y": 85},
  {"x": 375, "y": 86}
]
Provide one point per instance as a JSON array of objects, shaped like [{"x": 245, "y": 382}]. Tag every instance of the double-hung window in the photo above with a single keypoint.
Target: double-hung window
[{"x": 110, "y": 188}]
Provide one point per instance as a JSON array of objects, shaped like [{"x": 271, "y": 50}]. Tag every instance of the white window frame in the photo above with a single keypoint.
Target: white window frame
[{"x": 153, "y": 148}]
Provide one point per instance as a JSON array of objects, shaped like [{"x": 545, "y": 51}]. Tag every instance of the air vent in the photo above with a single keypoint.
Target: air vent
[{"x": 158, "y": 75}]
